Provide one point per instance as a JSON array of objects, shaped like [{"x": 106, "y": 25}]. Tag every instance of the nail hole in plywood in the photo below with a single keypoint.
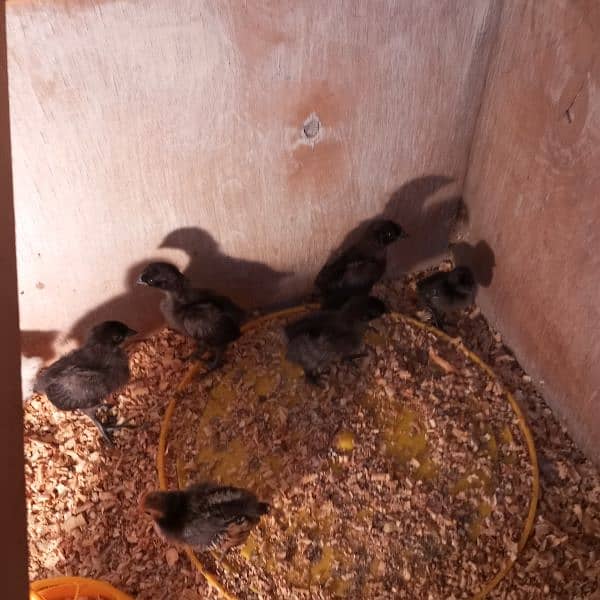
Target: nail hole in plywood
[{"x": 311, "y": 127}]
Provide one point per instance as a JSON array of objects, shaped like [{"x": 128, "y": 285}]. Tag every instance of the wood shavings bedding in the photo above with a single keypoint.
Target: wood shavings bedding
[{"x": 82, "y": 496}]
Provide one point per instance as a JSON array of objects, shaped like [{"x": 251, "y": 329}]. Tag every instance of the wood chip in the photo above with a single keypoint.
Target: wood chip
[
  {"x": 328, "y": 506},
  {"x": 171, "y": 556}
]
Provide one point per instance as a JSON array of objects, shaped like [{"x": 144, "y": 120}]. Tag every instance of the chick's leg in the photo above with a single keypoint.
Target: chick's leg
[
  {"x": 314, "y": 378},
  {"x": 104, "y": 431},
  {"x": 215, "y": 362},
  {"x": 114, "y": 425},
  {"x": 198, "y": 353},
  {"x": 217, "y": 359},
  {"x": 438, "y": 319}
]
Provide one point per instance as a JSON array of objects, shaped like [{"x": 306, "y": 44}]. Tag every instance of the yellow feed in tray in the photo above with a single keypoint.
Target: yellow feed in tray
[
  {"x": 320, "y": 571},
  {"x": 344, "y": 441},
  {"x": 405, "y": 440},
  {"x": 405, "y": 437},
  {"x": 427, "y": 469}
]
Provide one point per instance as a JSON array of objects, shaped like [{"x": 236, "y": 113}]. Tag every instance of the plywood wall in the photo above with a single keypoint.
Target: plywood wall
[
  {"x": 533, "y": 192},
  {"x": 179, "y": 129}
]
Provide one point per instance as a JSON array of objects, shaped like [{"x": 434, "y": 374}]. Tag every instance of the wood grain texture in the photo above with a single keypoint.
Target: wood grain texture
[
  {"x": 13, "y": 550},
  {"x": 532, "y": 192},
  {"x": 181, "y": 123}
]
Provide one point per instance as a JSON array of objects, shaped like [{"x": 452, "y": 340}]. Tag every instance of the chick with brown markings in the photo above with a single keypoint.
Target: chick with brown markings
[
  {"x": 358, "y": 268},
  {"x": 210, "y": 319},
  {"x": 317, "y": 340},
  {"x": 83, "y": 379},
  {"x": 205, "y": 516}
]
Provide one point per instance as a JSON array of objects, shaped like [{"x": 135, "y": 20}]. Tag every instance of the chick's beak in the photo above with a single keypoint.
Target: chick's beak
[{"x": 131, "y": 332}]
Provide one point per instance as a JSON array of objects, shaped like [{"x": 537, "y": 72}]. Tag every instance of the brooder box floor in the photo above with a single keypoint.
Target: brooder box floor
[{"x": 397, "y": 477}]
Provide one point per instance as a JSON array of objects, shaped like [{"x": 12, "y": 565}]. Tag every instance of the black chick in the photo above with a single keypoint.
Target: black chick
[
  {"x": 446, "y": 292},
  {"x": 360, "y": 267},
  {"x": 213, "y": 321},
  {"x": 319, "y": 339},
  {"x": 205, "y": 516},
  {"x": 84, "y": 378}
]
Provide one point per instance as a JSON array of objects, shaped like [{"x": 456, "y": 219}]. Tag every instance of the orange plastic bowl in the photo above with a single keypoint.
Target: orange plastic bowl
[{"x": 73, "y": 588}]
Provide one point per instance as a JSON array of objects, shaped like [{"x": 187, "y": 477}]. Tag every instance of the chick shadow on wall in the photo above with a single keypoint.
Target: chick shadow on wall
[
  {"x": 439, "y": 229},
  {"x": 428, "y": 224},
  {"x": 435, "y": 227},
  {"x": 37, "y": 343},
  {"x": 249, "y": 283}
]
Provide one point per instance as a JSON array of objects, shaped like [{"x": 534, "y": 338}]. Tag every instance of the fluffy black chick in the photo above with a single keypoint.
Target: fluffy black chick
[
  {"x": 84, "y": 378},
  {"x": 360, "y": 267},
  {"x": 446, "y": 292},
  {"x": 213, "y": 321},
  {"x": 205, "y": 516},
  {"x": 319, "y": 339}
]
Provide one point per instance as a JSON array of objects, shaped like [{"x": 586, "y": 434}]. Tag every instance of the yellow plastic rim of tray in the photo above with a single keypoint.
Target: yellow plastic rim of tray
[
  {"x": 254, "y": 324},
  {"x": 63, "y": 588}
]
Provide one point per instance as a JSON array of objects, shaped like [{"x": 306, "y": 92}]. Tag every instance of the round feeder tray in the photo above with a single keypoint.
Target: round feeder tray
[
  {"x": 360, "y": 467},
  {"x": 73, "y": 588}
]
